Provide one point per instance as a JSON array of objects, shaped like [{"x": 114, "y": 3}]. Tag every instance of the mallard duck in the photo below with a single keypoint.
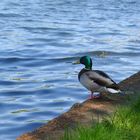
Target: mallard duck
[{"x": 95, "y": 80}]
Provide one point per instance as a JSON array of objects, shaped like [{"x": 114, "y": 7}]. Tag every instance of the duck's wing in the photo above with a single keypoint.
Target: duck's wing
[
  {"x": 101, "y": 79},
  {"x": 103, "y": 74},
  {"x": 114, "y": 85}
]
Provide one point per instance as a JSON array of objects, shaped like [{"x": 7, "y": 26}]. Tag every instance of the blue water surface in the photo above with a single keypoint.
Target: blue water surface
[{"x": 39, "y": 40}]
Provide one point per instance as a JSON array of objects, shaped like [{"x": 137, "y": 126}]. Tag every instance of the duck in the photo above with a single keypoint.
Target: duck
[{"x": 95, "y": 80}]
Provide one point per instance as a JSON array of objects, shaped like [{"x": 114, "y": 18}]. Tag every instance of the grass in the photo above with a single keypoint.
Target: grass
[{"x": 124, "y": 124}]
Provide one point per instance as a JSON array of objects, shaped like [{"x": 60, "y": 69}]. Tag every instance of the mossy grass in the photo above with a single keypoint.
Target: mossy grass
[{"x": 124, "y": 124}]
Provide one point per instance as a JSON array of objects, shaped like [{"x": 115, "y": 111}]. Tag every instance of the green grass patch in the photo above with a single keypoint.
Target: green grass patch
[{"x": 124, "y": 124}]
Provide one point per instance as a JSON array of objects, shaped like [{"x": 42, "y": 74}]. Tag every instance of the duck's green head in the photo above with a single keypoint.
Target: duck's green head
[{"x": 86, "y": 60}]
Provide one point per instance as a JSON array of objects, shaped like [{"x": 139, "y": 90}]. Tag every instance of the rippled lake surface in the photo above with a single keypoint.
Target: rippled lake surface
[{"x": 39, "y": 40}]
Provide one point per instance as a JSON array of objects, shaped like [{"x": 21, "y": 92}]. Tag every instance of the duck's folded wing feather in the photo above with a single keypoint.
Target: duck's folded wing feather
[
  {"x": 114, "y": 85},
  {"x": 100, "y": 78},
  {"x": 103, "y": 74}
]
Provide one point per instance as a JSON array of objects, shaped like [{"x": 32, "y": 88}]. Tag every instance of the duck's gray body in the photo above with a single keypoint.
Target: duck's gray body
[{"x": 97, "y": 81}]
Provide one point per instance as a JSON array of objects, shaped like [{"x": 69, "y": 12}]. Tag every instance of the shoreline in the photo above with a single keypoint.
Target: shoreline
[{"x": 86, "y": 112}]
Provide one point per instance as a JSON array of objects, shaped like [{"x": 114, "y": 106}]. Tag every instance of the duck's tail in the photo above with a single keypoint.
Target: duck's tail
[
  {"x": 111, "y": 90},
  {"x": 114, "y": 88}
]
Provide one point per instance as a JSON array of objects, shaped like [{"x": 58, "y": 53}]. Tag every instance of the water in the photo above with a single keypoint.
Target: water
[{"x": 39, "y": 40}]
